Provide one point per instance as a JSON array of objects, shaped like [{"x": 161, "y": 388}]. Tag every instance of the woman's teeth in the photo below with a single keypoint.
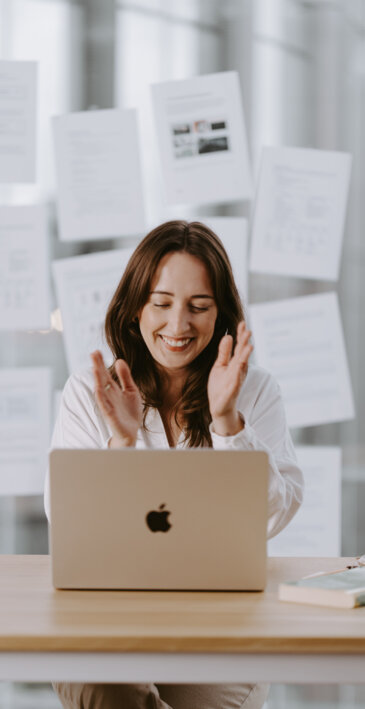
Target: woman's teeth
[{"x": 175, "y": 343}]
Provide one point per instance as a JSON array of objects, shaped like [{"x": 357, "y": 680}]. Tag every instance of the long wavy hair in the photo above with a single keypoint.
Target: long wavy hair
[{"x": 126, "y": 342}]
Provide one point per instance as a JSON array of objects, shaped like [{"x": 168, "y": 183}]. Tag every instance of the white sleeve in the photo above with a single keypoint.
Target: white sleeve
[
  {"x": 78, "y": 424},
  {"x": 266, "y": 429}
]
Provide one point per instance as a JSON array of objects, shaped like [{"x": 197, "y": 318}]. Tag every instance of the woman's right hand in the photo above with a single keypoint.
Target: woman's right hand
[{"x": 121, "y": 405}]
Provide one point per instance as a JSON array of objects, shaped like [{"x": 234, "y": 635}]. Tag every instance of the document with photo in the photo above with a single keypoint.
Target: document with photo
[
  {"x": 84, "y": 286},
  {"x": 300, "y": 341},
  {"x": 299, "y": 212},
  {"x": 24, "y": 269},
  {"x": 316, "y": 528},
  {"x": 25, "y": 415},
  {"x": 202, "y": 139},
  {"x": 98, "y": 175},
  {"x": 18, "y": 104},
  {"x": 232, "y": 231}
]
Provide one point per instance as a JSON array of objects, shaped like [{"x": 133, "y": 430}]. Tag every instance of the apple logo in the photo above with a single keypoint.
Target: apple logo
[{"x": 157, "y": 520}]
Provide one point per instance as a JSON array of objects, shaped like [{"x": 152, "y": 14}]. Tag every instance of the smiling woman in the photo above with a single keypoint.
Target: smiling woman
[
  {"x": 180, "y": 378},
  {"x": 175, "y": 302}
]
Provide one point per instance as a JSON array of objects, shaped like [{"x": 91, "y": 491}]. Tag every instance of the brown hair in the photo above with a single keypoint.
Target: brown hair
[{"x": 122, "y": 329}]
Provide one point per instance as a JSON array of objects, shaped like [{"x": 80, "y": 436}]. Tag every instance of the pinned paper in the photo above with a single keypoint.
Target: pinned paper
[
  {"x": 98, "y": 175},
  {"x": 299, "y": 212},
  {"x": 25, "y": 415},
  {"x": 24, "y": 269},
  {"x": 85, "y": 286},
  {"x": 316, "y": 528},
  {"x": 300, "y": 341},
  {"x": 202, "y": 139},
  {"x": 18, "y": 101}
]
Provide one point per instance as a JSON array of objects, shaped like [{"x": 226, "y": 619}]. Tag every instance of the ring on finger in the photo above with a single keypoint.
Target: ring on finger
[{"x": 107, "y": 386}]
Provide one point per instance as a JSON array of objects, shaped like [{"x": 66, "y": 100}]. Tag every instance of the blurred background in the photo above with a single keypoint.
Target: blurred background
[{"x": 302, "y": 70}]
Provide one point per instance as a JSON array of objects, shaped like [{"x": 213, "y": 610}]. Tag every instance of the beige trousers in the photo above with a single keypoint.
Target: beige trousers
[{"x": 161, "y": 696}]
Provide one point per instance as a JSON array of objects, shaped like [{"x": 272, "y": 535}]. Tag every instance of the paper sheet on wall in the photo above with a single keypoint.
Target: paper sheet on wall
[
  {"x": 232, "y": 231},
  {"x": 24, "y": 269},
  {"x": 18, "y": 89},
  {"x": 85, "y": 285},
  {"x": 316, "y": 528},
  {"x": 299, "y": 212},
  {"x": 98, "y": 175},
  {"x": 202, "y": 139},
  {"x": 300, "y": 341},
  {"x": 25, "y": 418}
]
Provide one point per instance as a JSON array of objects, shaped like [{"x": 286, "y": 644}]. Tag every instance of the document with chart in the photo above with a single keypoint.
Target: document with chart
[
  {"x": 84, "y": 287},
  {"x": 18, "y": 102},
  {"x": 316, "y": 528},
  {"x": 98, "y": 175},
  {"x": 232, "y": 231},
  {"x": 24, "y": 269},
  {"x": 25, "y": 416},
  {"x": 299, "y": 212},
  {"x": 202, "y": 140},
  {"x": 300, "y": 341}
]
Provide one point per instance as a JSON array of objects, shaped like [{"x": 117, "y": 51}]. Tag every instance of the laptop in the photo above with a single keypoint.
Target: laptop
[{"x": 192, "y": 519}]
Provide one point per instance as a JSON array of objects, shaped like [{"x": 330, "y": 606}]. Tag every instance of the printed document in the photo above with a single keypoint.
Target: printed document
[
  {"x": 85, "y": 286},
  {"x": 300, "y": 341},
  {"x": 232, "y": 231},
  {"x": 202, "y": 139},
  {"x": 24, "y": 269},
  {"x": 316, "y": 528},
  {"x": 98, "y": 175},
  {"x": 299, "y": 212},
  {"x": 25, "y": 415},
  {"x": 18, "y": 99}
]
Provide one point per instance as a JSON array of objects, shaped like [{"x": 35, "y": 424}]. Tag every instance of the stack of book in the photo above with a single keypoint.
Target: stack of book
[{"x": 344, "y": 588}]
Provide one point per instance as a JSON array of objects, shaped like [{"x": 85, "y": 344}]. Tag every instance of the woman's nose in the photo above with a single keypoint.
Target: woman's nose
[{"x": 178, "y": 321}]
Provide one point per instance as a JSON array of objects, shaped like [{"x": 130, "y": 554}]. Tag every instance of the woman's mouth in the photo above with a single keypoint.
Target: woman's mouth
[{"x": 176, "y": 344}]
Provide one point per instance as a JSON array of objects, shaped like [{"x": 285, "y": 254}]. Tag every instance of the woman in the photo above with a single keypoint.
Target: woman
[{"x": 180, "y": 378}]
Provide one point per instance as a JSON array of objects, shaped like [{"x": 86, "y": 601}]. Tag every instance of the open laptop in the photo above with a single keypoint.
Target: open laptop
[{"x": 191, "y": 519}]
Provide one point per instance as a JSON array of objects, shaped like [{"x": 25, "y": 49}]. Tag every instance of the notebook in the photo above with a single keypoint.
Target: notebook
[
  {"x": 192, "y": 519},
  {"x": 344, "y": 588}
]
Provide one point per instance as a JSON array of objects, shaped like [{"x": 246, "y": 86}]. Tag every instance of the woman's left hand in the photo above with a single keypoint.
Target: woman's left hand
[{"x": 225, "y": 380}]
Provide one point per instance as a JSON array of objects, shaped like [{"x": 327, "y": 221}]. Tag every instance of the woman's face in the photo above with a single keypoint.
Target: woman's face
[{"x": 178, "y": 320}]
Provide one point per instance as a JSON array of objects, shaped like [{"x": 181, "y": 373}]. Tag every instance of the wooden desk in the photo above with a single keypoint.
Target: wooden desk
[{"x": 173, "y": 637}]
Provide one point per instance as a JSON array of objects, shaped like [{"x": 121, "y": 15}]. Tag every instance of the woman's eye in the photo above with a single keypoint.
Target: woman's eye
[{"x": 193, "y": 308}]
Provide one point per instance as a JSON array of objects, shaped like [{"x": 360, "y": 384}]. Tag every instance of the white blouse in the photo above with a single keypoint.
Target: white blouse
[{"x": 80, "y": 424}]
